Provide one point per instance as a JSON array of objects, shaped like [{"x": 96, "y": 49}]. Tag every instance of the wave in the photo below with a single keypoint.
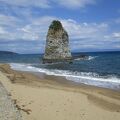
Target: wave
[
  {"x": 92, "y": 57},
  {"x": 87, "y": 58},
  {"x": 79, "y": 77}
]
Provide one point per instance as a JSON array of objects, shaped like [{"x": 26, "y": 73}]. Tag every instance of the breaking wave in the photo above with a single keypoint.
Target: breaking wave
[
  {"x": 109, "y": 81},
  {"x": 87, "y": 58}
]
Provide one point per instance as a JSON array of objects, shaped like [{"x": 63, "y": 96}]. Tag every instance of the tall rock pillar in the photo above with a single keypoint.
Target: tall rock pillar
[{"x": 57, "y": 44}]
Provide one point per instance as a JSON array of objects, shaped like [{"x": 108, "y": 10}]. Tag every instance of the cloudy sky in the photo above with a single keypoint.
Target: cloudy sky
[{"x": 92, "y": 25}]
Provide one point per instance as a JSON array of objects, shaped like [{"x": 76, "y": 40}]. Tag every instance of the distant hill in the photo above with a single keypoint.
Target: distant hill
[{"x": 7, "y": 52}]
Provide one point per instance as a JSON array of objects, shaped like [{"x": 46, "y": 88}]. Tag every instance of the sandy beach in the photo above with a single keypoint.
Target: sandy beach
[{"x": 46, "y": 98}]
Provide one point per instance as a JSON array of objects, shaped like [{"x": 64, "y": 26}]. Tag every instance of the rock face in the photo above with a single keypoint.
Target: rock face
[{"x": 57, "y": 44}]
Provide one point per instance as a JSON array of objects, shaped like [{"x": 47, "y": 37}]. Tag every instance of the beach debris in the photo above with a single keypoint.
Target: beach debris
[
  {"x": 57, "y": 44},
  {"x": 28, "y": 111}
]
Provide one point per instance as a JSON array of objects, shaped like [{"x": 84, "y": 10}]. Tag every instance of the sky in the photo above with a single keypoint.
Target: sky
[{"x": 92, "y": 25}]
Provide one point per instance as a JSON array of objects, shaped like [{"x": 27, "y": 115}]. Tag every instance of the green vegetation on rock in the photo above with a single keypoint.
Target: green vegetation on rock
[{"x": 56, "y": 25}]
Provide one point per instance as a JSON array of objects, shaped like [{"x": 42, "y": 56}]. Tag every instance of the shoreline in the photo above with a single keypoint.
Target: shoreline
[
  {"x": 47, "y": 79},
  {"x": 82, "y": 78},
  {"x": 56, "y": 97}
]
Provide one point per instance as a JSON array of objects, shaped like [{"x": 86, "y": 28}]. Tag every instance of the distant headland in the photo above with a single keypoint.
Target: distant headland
[{"x": 7, "y": 52}]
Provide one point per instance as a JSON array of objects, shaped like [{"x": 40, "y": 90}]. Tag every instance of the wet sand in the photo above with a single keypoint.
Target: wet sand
[{"x": 53, "y": 98}]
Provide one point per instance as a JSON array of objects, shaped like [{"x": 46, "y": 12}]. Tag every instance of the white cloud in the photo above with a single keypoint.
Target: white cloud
[
  {"x": 9, "y": 20},
  {"x": 72, "y": 4},
  {"x": 36, "y": 29},
  {"x": 75, "y": 3},
  {"x": 12, "y": 28},
  {"x": 112, "y": 38},
  {"x": 117, "y": 46},
  {"x": 28, "y": 3},
  {"x": 116, "y": 35},
  {"x": 2, "y": 31},
  {"x": 81, "y": 35},
  {"x": 84, "y": 30}
]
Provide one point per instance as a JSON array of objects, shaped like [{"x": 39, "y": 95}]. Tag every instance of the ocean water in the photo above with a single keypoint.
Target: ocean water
[{"x": 100, "y": 69}]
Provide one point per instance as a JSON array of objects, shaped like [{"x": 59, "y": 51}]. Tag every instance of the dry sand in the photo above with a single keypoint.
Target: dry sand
[{"x": 39, "y": 98}]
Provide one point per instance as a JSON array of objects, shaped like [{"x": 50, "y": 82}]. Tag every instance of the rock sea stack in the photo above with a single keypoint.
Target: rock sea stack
[{"x": 57, "y": 44}]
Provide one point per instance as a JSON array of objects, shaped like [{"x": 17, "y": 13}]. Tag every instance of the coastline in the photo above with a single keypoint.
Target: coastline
[{"x": 46, "y": 97}]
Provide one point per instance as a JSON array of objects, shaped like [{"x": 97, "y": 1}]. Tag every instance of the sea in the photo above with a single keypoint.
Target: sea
[{"x": 100, "y": 69}]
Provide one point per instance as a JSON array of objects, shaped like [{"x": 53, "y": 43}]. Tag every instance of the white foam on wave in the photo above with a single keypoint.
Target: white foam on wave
[
  {"x": 88, "y": 58},
  {"x": 91, "y": 57},
  {"x": 81, "y": 77}
]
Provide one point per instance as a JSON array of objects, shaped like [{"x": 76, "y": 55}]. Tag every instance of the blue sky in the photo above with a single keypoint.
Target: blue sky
[{"x": 92, "y": 25}]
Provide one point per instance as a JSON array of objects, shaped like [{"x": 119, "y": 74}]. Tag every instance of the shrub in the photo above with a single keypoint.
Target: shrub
[{"x": 56, "y": 25}]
